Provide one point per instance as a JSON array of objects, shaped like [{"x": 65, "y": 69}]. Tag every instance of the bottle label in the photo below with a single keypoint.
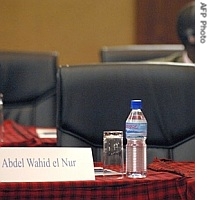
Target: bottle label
[{"x": 135, "y": 130}]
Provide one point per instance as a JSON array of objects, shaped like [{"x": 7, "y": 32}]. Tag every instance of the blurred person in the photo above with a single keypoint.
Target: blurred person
[{"x": 186, "y": 32}]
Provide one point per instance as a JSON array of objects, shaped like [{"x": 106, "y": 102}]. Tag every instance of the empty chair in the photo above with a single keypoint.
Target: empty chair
[
  {"x": 28, "y": 81},
  {"x": 138, "y": 52},
  {"x": 96, "y": 97}
]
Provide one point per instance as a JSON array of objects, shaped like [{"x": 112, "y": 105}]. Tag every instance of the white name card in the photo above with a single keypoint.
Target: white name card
[{"x": 43, "y": 164}]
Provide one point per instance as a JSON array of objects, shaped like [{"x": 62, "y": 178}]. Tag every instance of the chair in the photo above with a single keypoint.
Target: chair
[
  {"x": 138, "y": 52},
  {"x": 92, "y": 98},
  {"x": 28, "y": 81}
]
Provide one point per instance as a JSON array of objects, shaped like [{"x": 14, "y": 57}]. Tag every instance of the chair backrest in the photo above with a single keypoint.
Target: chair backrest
[
  {"x": 96, "y": 97},
  {"x": 138, "y": 52},
  {"x": 28, "y": 83}
]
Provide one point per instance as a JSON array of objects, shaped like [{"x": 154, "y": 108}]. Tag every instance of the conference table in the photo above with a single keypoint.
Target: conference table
[
  {"x": 166, "y": 179},
  {"x": 18, "y": 135}
]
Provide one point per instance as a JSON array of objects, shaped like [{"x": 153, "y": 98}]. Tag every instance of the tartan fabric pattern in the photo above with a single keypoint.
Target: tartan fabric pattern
[
  {"x": 185, "y": 169},
  {"x": 157, "y": 186},
  {"x": 174, "y": 167},
  {"x": 16, "y": 135},
  {"x": 166, "y": 179}
]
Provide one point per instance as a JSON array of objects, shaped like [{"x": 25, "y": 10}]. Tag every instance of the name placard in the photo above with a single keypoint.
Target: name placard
[{"x": 43, "y": 164}]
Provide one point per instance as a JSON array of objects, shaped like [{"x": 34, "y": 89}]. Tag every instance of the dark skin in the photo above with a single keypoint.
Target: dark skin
[
  {"x": 190, "y": 48},
  {"x": 186, "y": 29}
]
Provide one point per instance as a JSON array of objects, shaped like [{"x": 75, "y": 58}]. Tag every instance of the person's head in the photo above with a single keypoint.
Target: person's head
[{"x": 186, "y": 29}]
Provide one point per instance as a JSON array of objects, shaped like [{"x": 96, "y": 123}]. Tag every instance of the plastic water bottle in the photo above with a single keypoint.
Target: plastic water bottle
[{"x": 136, "y": 148}]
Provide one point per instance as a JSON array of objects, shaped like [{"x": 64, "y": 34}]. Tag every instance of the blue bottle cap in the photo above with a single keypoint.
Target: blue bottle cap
[{"x": 136, "y": 104}]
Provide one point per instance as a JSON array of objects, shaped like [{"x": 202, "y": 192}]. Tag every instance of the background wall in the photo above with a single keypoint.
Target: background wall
[
  {"x": 156, "y": 21},
  {"x": 77, "y": 29}
]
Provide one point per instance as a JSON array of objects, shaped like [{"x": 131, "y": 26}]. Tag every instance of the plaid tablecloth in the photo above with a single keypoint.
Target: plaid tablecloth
[
  {"x": 166, "y": 179},
  {"x": 184, "y": 169},
  {"x": 158, "y": 185},
  {"x": 17, "y": 135}
]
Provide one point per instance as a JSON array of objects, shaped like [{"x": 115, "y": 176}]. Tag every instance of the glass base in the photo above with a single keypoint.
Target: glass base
[{"x": 136, "y": 175}]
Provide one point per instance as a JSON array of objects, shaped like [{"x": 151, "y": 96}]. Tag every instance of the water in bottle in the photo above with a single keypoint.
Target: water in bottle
[{"x": 136, "y": 148}]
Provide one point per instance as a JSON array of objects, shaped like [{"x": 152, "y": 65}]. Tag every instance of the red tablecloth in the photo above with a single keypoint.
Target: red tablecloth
[
  {"x": 184, "y": 169},
  {"x": 17, "y": 135},
  {"x": 177, "y": 183},
  {"x": 158, "y": 185},
  {"x": 166, "y": 179}
]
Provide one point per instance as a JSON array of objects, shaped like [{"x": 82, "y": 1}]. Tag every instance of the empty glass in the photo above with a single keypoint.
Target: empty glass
[{"x": 113, "y": 156}]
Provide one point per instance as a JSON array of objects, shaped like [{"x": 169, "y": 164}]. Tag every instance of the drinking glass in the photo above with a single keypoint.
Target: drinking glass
[{"x": 113, "y": 156}]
